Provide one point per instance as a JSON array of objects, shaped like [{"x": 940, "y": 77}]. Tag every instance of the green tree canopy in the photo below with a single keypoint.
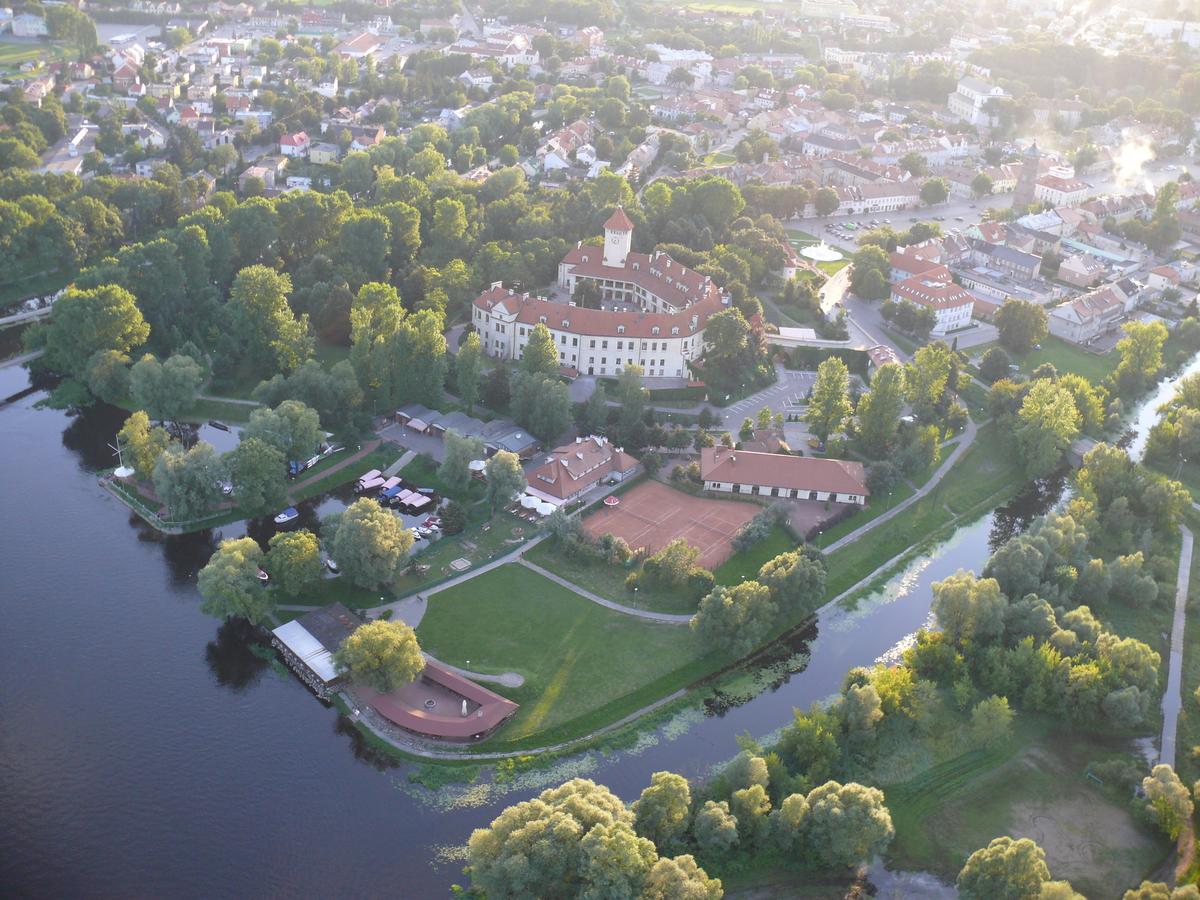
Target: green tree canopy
[
  {"x": 165, "y": 390},
  {"x": 293, "y": 561},
  {"x": 188, "y": 482},
  {"x": 382, "y": 655},
  {"x": 230, "y": 585},
  {"x": 1005, "y": 869},
  {"x": 1021, "y": 325},
  {"x": 84, "y": 322},
  {"x": 369, "y": 543},
  {"x": 505, "y": 478},
  {"x": 257, "y": 470},
  {"x": 829, "y": 406}
]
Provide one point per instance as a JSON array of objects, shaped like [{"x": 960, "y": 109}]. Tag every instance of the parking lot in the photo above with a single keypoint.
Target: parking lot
[{"x": 787, "y": 395}]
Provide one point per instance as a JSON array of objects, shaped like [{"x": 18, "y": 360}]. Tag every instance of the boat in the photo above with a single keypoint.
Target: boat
[
  {"x": 219, "y": 425},
  {"x": 332, "y": 566},
  {"x": 263, "y": 576},
  {"x": 290, "y": 514}
]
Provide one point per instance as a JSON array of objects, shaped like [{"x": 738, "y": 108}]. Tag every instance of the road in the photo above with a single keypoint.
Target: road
[{"x": 1172, "y": 702}]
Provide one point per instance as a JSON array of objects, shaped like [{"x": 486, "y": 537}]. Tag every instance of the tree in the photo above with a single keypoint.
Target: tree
[
  {"x": 826, "y": 201},
  {"x": 679, "y": 878},
  {"x": 870, "y": 268},
  {"x": 536, "y": 848},
  {"x": 369, "y": 543},
  {"x": 847, "y": 824},
  {"x": 631, "y": 395},
  {"x": 165, "y": 390},
  {"x": 796, "y": 579},
  {"x": 829, "y": 404},
  {"x": 861, "y": 709},
  {"x": 914, "y": 163},
  {"x": 454, "y": 518},
  {"x": 272, "y": 336},
  {"x": 188, "y": 482},
  {"x": 1156, "y": 890},
  {"x": 750, "y": 806},
  {"x": 879, "y": 410},
  {"x": 991, "y": 721},
  {"x": 382, "y": 655},
  {"x": 1005, "y": 869},
  {"x": 230, "y": 585},
  {"x": 257, "y": 472},
  {"x": 542, "y": 403},
  {"x": 981, "y": 185},
  {"x": 994, "y": 365},
  {"x": 458, "y": 454},
  {"x": 84, "y": 322},
  {"x": 714, "y": 828},
  {"x": 736, "y": 619},
  {"x": 1141, "y": 356},
  {"x": 935, "y": 190},
  {"x": 291, "y": 428},
  {"x": 927, "y": 378},
  {"x": 595, "y": 411},
  {"x": 663, "y": 810},
  {"x": 1168, "y": 800},
  {"x": 141, "y": 445},
  {"x": 107, "y": 375},
  {"x": 1021, "y": 325},
  {"x": 540, "y": 357},
  {"x": 969, "y": 608},
  {"x": 1048, "y": 424},
  {"x": 505, "y": 479},
  {"x": 616, "y": 861},
  {"x": 293, "y": 561},
  {"x": 468, "y": 369}
]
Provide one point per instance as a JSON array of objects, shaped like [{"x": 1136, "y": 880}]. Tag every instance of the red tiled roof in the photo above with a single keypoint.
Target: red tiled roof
[
  {"x": 806, "y": 473},
  {"x": 618, "y": 221},
  {"x": 933, "y": 289},
  {"x": 656, "y": 273},
  {"x": 576, "y": 467}
]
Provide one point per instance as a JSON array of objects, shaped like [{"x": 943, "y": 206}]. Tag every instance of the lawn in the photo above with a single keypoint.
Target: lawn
[
  {"x": 223, "y": 410},
  {"x": 13, "y": 55},
  {"x": 1066, "y": 358},
  {"x": 873, "y": 510},
  {"x": 584, "y": 665},
  {"x": 477, "y": 545},
  {"x": 609, "y": 581},
  {"x": 987, "y": 473},
  {"x": 1033, "y": 786},
  {"x": 745, "y": 565},
  {"x": 329, "y": 590},
  {"x": 720, "y": 159}
]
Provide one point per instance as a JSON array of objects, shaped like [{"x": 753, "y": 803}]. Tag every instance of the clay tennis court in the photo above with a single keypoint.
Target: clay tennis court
[{"x": 652, "y": 515}]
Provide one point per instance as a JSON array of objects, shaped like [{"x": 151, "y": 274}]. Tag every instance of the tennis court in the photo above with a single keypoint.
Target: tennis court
[{"x": 652, "y": 515}]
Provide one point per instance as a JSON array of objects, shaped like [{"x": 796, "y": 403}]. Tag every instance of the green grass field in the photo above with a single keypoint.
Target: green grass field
[
  {"x": 745, "y": 565},
  {"x": 1033, "y": 786},
  {"x": 12, "y": 55},
  {"x": 1188, "y": 735},
  {"x": 423, "y": 472},
  {"x": 988, "y": 472},
  {"x": 503, "y": 533},
  {"x": 584, "y": 665},
  {"x": 609, "y": 581},
  {"x": 1064, "y": 356}
]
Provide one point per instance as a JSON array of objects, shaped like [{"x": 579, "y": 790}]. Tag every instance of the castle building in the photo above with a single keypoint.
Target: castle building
[
  {"x": 653, "y": 310},
  {"x": 1026, "y": 190}
]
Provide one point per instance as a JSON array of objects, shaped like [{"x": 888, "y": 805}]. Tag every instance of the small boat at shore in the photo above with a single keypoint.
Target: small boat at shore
[
  {"x": 263, "y": 576},
  {"x": 218, "y": 424},
  {"x": 290, "y": 514}
]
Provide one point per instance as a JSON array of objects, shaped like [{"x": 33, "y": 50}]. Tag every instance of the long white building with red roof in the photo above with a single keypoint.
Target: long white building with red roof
[
  {"x": 653, "y": 311},
  {"x": 935, "y": 289}
]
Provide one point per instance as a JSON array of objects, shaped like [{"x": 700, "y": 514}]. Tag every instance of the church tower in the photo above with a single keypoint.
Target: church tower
[
  {"x": 618, "y": 235},
  {"x": 1023, "y": 196}
]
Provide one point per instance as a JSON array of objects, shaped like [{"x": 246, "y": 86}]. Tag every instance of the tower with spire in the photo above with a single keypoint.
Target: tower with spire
[{"x": 1024, "y": 194}]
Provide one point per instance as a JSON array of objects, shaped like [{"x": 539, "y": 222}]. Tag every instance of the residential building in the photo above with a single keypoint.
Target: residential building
[
  {"x": 971, "y": 100},
  {"x": 1084, "y": 318},
  {"x": 1162, "y": 277},
  {"x": 726, "y": 470},
  {"x": 1059, "y": 191},
  {"x": 574, "y": 469},
  {"x": 323, "y": 154},
  {"x": 295, "y": 145},
  {"x": 951, "y": 303},
  {"x": 27, "y": 25},
  {"x": 1082, "y": 270}
]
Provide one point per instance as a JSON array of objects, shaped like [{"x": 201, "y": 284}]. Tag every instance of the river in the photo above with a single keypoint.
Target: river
[{"x": 145, "y": 750}]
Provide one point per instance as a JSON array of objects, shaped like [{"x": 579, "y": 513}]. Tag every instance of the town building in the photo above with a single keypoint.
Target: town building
[
  {"x": 1082, "y": 270},
  {"x": 307, "y": 645},
  {"x": 295, "y": 145},
  {"x": 972, "y": 100},
  {"x": 574, "y": 469},
  {"x": 1059, "y": 191},
  {"x": 1084, "y": 318},
  {"x": 726, "y": 470},
  {"x": 952, "y": 304}
]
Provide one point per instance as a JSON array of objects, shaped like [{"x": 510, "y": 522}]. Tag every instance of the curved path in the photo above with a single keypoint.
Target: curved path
[
  {"x": 968, "y": 438},
  {"x": 665, "y": 618}
]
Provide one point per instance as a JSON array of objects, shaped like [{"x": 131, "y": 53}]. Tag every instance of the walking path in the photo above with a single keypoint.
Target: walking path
[
  {"x": 22, "y": 359},
  {"x": 394, "y": 468},
  {"x": 665, "y": 618},
  {"x": 366, "y": 448},
  {"x": 1172, "y": 701},
  {"x": 968, "y": 438},
  {"x": 236, "y": 401}
]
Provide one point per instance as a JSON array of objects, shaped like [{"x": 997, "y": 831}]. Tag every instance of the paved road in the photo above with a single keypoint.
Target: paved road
[
  {"x": 22, "y": 359},
  {"x": 968, "y": 438},
  {"x": 834, "y": 289},
  {"x": 665, "y": 618},
  {"x": 1172, "y": 701}
]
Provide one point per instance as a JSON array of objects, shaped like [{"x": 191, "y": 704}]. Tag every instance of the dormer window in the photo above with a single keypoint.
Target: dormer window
[
  {"x": 585, "y": 259},
  {"x": 566, "y": 323},
  {"x": 654, "y": 330},
  {"x": 620, "y": 329},
  {"x": 542, "y": 319},
  {"x": 637, "y": 267},
  {"x": 674, "y": 329}
]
